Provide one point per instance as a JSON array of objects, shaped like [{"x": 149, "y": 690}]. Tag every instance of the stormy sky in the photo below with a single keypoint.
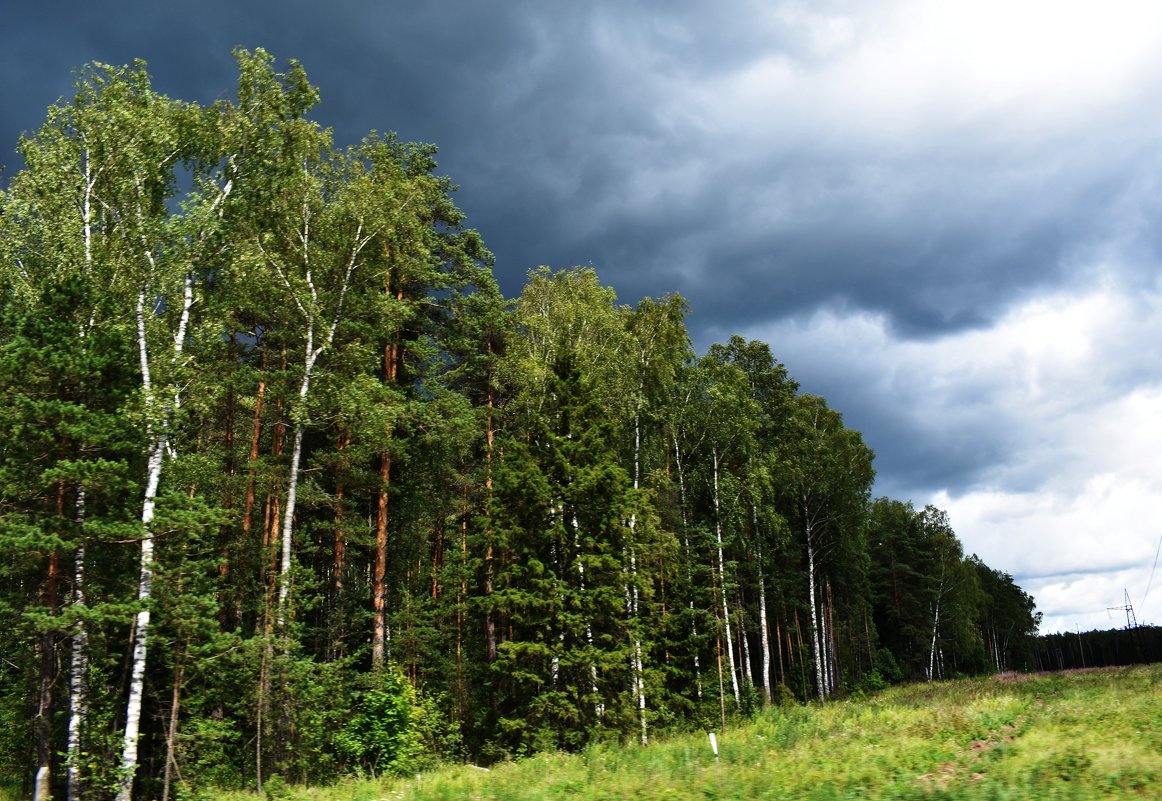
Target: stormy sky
[{"x": 941, "y": 215}]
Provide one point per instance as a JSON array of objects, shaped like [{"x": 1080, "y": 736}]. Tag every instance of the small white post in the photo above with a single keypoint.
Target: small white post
[{"x": 714, "y": 745}]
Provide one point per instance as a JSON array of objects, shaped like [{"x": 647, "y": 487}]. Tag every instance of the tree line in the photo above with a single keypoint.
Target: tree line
[
  {"x": 289, "y": 489},
  {"x": 1081, "y": 650}
]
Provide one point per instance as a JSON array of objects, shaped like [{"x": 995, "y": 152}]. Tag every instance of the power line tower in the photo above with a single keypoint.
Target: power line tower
[{"x": 1128, "y": 608}]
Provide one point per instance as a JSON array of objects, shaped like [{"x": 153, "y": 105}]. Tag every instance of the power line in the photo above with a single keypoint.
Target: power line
[
  {"x": 1128, "y": 608},
  {"x": 1151, "y": 581}
]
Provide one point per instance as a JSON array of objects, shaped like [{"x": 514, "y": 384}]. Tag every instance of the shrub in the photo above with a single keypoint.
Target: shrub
[{"x": 384, "y": 735}]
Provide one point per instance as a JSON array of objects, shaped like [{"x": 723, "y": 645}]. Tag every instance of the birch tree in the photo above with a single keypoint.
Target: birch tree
[
  {"x": 825, "y": 471},
  {"x": 724, "y": 417},
  {"x": 167, "y": 255},
  {"x": 773, "y": 392},
  {"x": 516, "y": 517},
  {"x": 111, "y": 155},
  {"x": 658, "y": 347}
]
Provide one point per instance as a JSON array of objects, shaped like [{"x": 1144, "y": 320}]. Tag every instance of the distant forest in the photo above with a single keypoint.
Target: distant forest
[
  {"x": 1133, "y": 645},
  {"x": 289, "y": 489}
]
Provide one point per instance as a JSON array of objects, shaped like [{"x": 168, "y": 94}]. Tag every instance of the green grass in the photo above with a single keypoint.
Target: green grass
[
  {"x": 10, "y": 790},
  {"x": 1090, "y": 735}
]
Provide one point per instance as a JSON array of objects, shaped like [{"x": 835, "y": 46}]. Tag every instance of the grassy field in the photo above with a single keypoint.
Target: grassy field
[{"x": 1084, "y": 735}]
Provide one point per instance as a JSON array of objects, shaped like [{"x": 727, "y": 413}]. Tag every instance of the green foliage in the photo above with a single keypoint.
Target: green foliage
[
  {"x": 967, "y": 740},
  {"x": 546, "y": 518},
  {"x": 15, "y": 722},
  {"x": 209, "y": 753},
  {"x": 887, "y": 667},
  {"x": 384, "y": 735}
]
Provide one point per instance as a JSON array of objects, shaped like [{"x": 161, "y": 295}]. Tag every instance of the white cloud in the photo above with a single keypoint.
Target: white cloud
[
  {"x": 943, "y": 157},
  {"x": 914, "y": 65},
  {"x": 1065, "y": 392}
]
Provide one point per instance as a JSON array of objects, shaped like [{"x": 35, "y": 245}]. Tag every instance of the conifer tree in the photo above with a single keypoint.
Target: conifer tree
[{"x": 279, "y": 466}]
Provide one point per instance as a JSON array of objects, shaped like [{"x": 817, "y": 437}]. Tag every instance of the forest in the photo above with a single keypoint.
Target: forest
[{"x": 289, "y": 490}]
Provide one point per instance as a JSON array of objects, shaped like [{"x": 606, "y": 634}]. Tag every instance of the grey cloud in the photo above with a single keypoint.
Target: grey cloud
[
  {"x": 557, "y": 121},
  {"x": 1111, "y": 565}
]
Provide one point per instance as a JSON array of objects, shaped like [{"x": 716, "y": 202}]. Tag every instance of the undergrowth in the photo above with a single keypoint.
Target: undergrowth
[{"x": 1085, "y": 735}]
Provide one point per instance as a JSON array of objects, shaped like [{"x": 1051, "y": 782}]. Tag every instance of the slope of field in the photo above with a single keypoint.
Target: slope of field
[{"x": 1082, "y": 735}]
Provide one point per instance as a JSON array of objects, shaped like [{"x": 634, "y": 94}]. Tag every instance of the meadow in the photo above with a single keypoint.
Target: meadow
[{"x": 1080, "y": 735}]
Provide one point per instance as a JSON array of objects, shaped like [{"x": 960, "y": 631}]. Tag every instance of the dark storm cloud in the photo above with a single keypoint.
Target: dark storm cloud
[
  {"x": 923, "y": 440},
  {"x": 935, "y": 247},
  {"x": 551, "y": 120},
  {"x": 615, "y": 135}
]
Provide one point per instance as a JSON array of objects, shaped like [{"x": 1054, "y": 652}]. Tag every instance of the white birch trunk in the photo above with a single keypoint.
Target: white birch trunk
[
  {"x": 141, "y": 628},
  {"x": 765, "y": 638},
  {"x": 78, "y": 667},
  {"x": 722, "y": 582},
  {"x": 814, "y": 614},
  {"x": 764, "y": 634},
  {"x": 830, "y": 663},
  {"x": 641, "y": 691},
  {"x": 310, "y": 357},
  {"x": 824, "y": 644},
  {"x": 935, "y": 625},
  {"x": 689, "y": 567},
  {"x": 932, "y": 650},
  {"x": 598, "y": 705},
  {"x": 745, "y": 641},
  {"x": 555, "y": 660},
  {"x": 79, "y": 657},
  {"x": 284, "y": 570},
  {"x": 158, "y": 415},
  {"x": 159, "y": 445},
  {"x": 639, "y": 685}
]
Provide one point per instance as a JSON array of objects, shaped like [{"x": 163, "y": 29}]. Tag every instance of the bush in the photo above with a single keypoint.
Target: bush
[
  {"x": 873, "y": 682},
  {"x": 782, "y": 695},
  {"x": 385, "y": 736},
  {"x": 887, "y": 667}
]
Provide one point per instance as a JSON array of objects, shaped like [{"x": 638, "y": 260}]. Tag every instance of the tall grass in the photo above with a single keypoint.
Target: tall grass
[
  {"x": 1090, "y": 735},
  {"x": 10, "y": 790}
]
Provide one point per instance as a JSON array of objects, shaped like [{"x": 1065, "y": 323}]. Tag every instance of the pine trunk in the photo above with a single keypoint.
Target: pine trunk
[
  {"x": 171, "y": 736},
  {"x": 378, "y": 591},
  {"x": 255, "y": 439},
  {"x": 378, "y": 587}
]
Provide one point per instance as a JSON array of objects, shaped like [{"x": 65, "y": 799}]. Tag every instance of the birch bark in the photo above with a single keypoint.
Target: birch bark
[
  {"x": 815, "y": 646},
  {"x": 638, "y": 679},
  {"x": 78, "y": 665},
  {"x": 158, "y": 433},
  {"x": 764, "y": 632},
  {"x": 722, "y": 580},
  {"x": 311, "y": 354},
  {"x": 79, "y": 656},
  {"x": 689, "y": 564}
]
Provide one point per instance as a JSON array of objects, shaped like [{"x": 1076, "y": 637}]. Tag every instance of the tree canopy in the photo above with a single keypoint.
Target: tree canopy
[{"x": 288, "y": 488}]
